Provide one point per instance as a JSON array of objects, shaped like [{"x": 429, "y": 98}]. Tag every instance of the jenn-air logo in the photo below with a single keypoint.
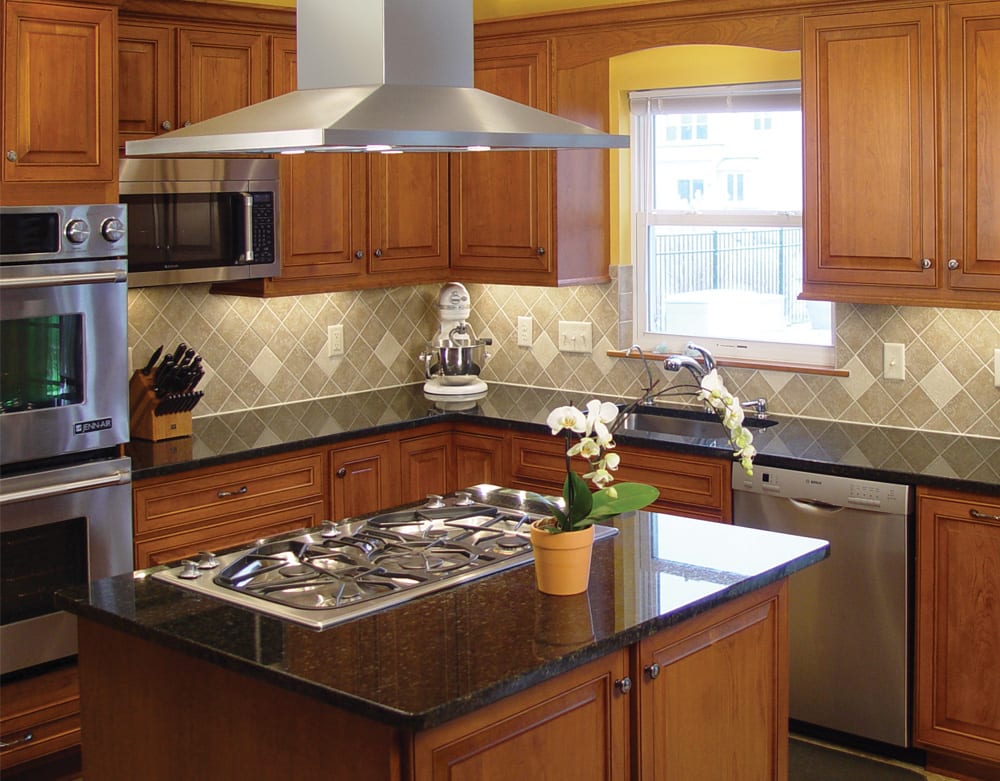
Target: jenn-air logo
[{"x": 86, "y": 426}]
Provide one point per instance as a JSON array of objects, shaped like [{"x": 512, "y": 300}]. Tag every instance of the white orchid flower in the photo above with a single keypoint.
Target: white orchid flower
[
  {"x": 600, "y": 477},
  {"x": 587, "y": 447},
  {"x": 566, "y": 417},
  {"x": 611, "y": 461},
  {"x": 599, "y": 415}
]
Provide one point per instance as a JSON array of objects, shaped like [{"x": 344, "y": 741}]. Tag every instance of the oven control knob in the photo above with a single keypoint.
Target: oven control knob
[
  {"x": 329, "y": 529},
  {"x": 77, "y": 231},
  {"x": 207, "y": 560},
  {"x": 434, "y": 501},
  {"x": 113, "y": 229},
  {"x": 189, "y": 570},
  {"x": 463, "y": 498}
]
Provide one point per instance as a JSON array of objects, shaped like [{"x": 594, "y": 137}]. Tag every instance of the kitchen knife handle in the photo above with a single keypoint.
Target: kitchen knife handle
[{"x": 152, "y": 361}]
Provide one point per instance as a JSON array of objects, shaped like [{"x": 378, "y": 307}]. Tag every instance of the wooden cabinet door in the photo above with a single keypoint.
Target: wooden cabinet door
[
  {"x": 573, "y": 726},
  {"x": 480, "y": 457},
  {"x": 218, "y": 72},
  {"x": 147, "y": 94},
  {"x": 972, "y": 117},
  {"x": 688, "y": 711},
  {"x": 501, "y": 221},
  {"x": 868, "y": 107},
  {"x": 59, "y": 85},
  {"x": 425, "y": 466},
  {"x": 408, "y": 216},
  {"x": 41, "y": 716},
  {"x": 365, "y": 478},
  {"x": 958, "y": 624}
]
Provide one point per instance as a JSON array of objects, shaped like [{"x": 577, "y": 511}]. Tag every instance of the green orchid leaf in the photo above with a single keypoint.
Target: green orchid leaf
[
  {"x": 582, "y": 500},
  {"x": 630, "y": 496}
]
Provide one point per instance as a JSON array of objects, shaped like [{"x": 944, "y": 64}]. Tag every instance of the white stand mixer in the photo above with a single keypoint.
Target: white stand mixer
[{"x": 454, "y": 358}]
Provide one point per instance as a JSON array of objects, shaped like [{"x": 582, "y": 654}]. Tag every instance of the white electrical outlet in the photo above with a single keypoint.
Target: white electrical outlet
[
  {"x": 996, "y": 367},
  {"x": 894, "y": 361},
  {"x": 334, "y": 340},
  {"x": 575, "y": 337},
  {"x": 524, "y": 328}
]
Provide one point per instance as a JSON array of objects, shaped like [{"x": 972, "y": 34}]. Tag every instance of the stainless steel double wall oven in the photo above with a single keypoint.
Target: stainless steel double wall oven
[{"x": 65, "y": 497}]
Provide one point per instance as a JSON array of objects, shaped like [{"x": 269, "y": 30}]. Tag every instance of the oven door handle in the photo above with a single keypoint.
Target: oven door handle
[
  {"x": 115, "y": 478},
  {"x": 57, "y": 280},
  {"x": 248, "y": 224}
]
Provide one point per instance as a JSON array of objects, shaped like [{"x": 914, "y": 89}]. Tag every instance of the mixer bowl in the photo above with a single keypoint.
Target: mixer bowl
[{"x": 454, "y": 364}]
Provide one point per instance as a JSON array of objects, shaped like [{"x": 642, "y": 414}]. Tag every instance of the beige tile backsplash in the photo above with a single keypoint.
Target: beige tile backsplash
[{"x": 264, "y": 352}]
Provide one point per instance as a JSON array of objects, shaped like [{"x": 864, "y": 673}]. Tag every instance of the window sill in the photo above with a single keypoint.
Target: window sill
[{"x": 773, "y": 366}]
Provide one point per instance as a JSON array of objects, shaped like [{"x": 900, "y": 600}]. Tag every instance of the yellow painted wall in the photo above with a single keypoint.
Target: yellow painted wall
[{"x": 676, "y": 66}]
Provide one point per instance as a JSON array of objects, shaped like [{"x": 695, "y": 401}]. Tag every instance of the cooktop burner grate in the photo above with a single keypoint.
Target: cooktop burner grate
[{"x": 327, "y": 575}]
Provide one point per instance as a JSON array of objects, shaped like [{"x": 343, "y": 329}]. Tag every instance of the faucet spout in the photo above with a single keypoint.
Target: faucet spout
[
  {"x": 693, "y": 350},
  {"x": 674, "y": 363}
]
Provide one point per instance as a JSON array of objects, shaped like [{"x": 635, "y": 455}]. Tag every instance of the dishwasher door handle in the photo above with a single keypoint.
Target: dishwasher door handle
[{"x": 812, "y": 505}]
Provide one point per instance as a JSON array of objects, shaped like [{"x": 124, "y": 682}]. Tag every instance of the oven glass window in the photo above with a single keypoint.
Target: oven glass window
[
  {"x": 194, "y": 230},
  {"x": 41, "y": 362},
  {"x": 37, "y": 561}
]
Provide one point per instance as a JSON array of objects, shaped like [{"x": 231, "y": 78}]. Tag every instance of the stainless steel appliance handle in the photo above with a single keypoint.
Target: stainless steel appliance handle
[
  {"x": 115, "y": 478},
  {"x": 248, "y": 227},
  {"x": 55, "y": 280}
]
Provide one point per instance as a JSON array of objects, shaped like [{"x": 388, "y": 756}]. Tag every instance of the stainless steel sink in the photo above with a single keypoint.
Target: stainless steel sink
[{"x": 683, "y": 423}]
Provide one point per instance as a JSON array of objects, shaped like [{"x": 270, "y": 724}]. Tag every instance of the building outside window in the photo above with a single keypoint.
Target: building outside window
[{"x": 717, "y": 202}]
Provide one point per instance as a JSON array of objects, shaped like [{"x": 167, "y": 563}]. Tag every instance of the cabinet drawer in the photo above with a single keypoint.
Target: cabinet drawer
[
  {"x": 214, "y": 494},
  {"x": 46, "y": 708},
  {"x": 691, "y": 485},
  {"x": 173, "y": 547}
]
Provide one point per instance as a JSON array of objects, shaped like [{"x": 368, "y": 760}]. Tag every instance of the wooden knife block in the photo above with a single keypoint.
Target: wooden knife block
[{"x": 146, "y": 425}]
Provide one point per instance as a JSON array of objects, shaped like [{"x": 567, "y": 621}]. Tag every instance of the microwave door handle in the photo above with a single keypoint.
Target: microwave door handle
[
  {"x": 248, "y": 227},
  {"x": 115, "y": 478},
  {"x": 64, "y": 279}
]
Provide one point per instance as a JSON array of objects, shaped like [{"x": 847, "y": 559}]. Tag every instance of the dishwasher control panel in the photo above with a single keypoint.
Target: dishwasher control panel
[{"x": 831, "y": 490}]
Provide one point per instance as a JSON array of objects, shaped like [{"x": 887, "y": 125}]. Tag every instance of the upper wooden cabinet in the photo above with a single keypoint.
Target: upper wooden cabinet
[
  {"x": 957, "y": 709},
  {"x": 900, "y": 155},
  {"x": 59, "y": 82},
  {"x": 217, "y": 70}
]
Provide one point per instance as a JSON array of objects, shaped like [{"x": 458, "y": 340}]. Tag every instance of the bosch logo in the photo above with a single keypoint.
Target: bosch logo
[{"x": 86, "y": 426}]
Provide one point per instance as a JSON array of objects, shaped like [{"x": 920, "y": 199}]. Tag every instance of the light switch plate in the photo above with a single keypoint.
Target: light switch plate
[
  {"x": 334, "y": 340},
  {"x": 524, "y": 329},
  {"x": 894, "y": 361},
  {"x": 575, "y": 336}
]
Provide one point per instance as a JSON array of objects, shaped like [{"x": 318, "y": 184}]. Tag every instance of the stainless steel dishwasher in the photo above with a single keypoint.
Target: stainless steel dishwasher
[{"x": 850, "y": 615}]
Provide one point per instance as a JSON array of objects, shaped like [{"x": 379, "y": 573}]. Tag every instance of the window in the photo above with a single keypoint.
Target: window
[{"x": 717, "y": 178}]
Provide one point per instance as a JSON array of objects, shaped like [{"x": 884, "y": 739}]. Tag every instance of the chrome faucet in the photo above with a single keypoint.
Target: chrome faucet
[
  {"x": 674, "y": 363},
  {"x": 759, "y": 406},
  {"x": 707, "y": 358}
]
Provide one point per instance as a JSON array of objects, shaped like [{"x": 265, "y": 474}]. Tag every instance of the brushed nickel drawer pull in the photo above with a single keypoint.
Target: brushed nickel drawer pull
[
  {"x": 342, "y": 471},
  {"x": 984, "y": 516},
  {"x": 653, "y": 671},
  {"x": 26, "y": 738},
  {"x": 224, "y": 494},
  {"x": 624, "y": 685}
]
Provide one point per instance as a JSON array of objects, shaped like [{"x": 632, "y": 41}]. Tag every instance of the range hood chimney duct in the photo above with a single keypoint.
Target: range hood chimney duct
[{"x": 380, "y": 75}]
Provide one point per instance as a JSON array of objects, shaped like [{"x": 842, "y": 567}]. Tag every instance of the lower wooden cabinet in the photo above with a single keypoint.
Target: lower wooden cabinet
[
  {"x": 40, "y": 716},
  {"x": 364, "y": 477},
  {"x": 426, "y": 465},
  {"x": 690, "y": 485},
  {"x": 712, "y": 694},
  {"x": 571, "y": 727},
  {"x": 958, "y": 632},
  {"x": 481, "y": 456}
]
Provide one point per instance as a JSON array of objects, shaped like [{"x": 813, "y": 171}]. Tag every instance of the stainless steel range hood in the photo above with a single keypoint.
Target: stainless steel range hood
[{"x": 381, "y": 75}]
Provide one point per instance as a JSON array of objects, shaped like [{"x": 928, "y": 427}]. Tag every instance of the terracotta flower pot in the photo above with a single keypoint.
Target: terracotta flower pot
[{"x": 562, "y": 561}]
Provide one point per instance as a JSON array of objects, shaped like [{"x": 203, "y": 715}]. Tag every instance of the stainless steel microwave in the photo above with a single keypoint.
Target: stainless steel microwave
[{"x": 200, "y": 219}]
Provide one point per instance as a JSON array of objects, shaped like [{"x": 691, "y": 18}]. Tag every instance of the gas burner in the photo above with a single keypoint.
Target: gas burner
[{"x": 336, "y": 572}]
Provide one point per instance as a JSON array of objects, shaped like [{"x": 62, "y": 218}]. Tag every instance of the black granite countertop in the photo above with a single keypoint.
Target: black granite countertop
[
  {"x": 850, "y": 449},
  {"x": 447, "y": 654}
]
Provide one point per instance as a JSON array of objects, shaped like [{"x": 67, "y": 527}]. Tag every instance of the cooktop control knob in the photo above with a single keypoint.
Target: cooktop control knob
[
  {"x": 189, "y": 570},
  {"x": 463, "y": 498},
  {"x": 77, "y": 231},
  {"x": 434, "y": 501},
  {"x": 207, "y": 560},
  {"x": 329, "y": 529}
]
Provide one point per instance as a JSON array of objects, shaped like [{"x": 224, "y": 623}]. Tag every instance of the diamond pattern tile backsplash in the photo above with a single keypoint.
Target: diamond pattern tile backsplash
[{"x": 264, "y": 352}]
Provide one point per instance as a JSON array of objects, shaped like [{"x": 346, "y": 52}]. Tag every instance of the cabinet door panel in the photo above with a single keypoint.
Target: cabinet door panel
[
  {"x": 59, "y": 80},
  {"x": 479, "y": 458},
  {"x": 973, "y": 116},
  {"x": 869, "y": 115},
  {"x": 501, "y": 208},
  {"x": 365, "y": 479},
  {"x": 425, "y": 466},
  {"x": 146, "y": 94},
  {"x": 218, "y": 72}
]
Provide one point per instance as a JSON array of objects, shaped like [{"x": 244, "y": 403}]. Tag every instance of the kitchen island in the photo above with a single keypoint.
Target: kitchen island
[{"x": 676, "y": 655}]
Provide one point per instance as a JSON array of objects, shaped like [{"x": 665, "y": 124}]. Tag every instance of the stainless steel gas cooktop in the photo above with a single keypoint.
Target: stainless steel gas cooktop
[{"x": 342, "y": 571}]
